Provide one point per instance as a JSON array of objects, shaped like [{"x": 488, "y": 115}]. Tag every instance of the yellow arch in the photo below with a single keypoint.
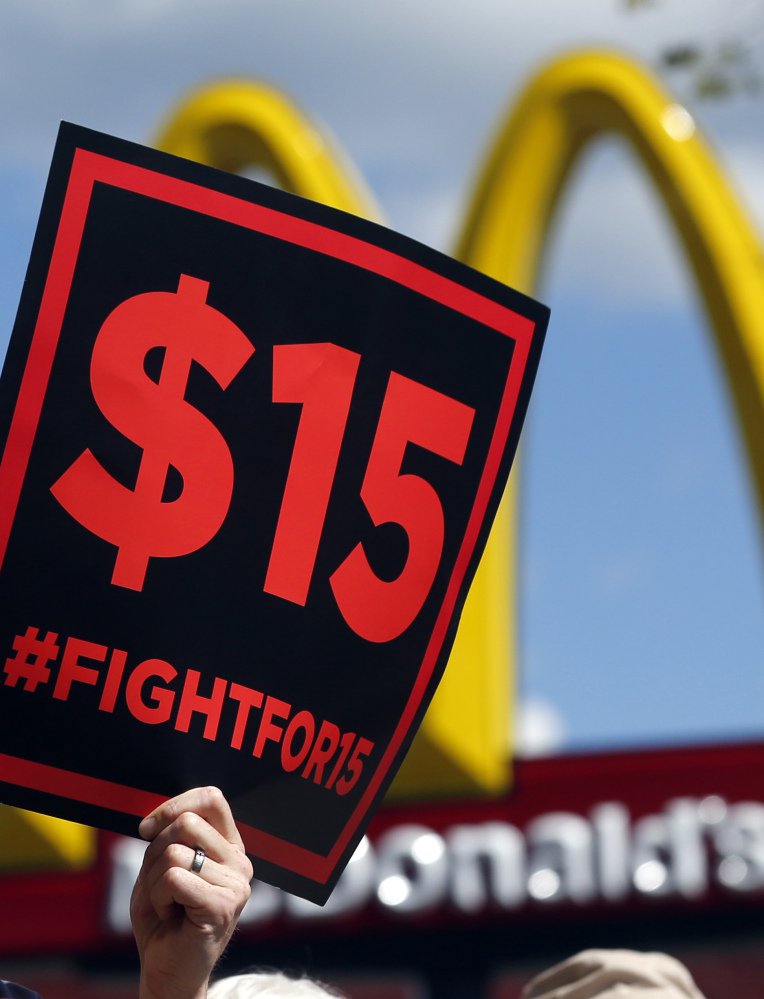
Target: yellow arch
[
  {"x": 239, "y": 124},
  {"x": 567, "y": 105},
  {"x": 35, "y": 842}
]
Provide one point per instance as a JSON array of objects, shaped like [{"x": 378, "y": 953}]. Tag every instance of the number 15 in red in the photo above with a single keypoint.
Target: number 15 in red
[{"x": 321, "y": 377}]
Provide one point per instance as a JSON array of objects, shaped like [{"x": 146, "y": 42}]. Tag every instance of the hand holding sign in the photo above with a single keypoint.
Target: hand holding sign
[
  {"x": 254, "y": 447},
  {"x": 183, "y": 918}
]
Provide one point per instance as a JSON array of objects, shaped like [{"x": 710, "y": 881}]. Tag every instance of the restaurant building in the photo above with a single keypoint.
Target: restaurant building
[{"x": 655, "y": 849}]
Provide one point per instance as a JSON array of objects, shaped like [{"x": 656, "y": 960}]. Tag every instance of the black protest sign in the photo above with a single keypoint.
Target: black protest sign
[{"x": 253, "y": 450}]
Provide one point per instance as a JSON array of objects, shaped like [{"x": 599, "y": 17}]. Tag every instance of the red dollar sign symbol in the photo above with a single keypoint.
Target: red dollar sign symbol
[{"x": 155, "y": 416}]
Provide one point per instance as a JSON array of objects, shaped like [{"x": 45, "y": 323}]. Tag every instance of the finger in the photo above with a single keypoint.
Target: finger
[
  {"x": 192, "y": 831},
  {"x": 209, "y": 802},
  {"x": 204, "y": 904},
  {"x": 179, "y": 856},
  {"x": 176, "y": 889}
]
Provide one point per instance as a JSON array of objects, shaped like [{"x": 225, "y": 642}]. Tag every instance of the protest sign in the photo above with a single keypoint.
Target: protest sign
[{"x": 253, "y": 447}]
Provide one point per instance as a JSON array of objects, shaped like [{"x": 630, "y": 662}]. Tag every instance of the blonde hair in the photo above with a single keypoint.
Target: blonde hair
[{"x": 270, "y": 985}]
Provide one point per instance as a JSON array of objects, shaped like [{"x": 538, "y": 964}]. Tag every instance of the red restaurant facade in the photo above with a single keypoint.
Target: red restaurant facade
[{"x": 657, "y": 849}]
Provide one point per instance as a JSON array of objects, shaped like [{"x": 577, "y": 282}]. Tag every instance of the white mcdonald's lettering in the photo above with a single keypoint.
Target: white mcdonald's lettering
[{"x": 691, "y": 846}]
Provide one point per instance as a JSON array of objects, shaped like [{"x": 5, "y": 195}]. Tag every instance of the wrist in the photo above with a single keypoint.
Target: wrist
[{"x": 165, "y": 988}]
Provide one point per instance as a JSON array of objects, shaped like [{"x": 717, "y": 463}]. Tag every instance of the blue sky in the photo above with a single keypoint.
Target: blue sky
[{"x": 642, "y": 605}]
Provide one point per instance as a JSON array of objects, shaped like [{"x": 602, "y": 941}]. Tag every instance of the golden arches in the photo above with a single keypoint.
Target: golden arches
[
  {"x": 464, "y": 743},
  {"x": 240, "y": 124},
  {"x": 35, "y": 842},
  {"x": 566, "y": 106}
]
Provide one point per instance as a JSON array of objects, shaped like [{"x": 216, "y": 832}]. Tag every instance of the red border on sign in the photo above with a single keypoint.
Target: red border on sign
[{"x": 89, "y": 168}]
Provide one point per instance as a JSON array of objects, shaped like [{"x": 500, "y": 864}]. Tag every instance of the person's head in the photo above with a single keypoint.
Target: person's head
[
  {"x": 614, "y": 974},
  {"x": 269, "y": 985}
]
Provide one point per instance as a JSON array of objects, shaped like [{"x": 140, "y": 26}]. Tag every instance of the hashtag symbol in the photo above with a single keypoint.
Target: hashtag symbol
[{"x": 30, "y": 661}]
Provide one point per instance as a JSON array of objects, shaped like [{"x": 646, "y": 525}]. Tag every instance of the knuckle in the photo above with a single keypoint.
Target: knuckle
[
  {"x": 234, "y": 902},
  {"x": 214, "y": 796},
  {"x": 176, "y": 854},
  {"x": 173, "y": 878},
  {"x": 248, "y": 871},
  {"x": 187, "y": 823},
  {"x": 171, "y": 808}
]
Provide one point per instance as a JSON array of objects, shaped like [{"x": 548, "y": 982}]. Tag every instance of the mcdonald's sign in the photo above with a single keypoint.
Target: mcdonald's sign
[{"x": 464, "y": 743}]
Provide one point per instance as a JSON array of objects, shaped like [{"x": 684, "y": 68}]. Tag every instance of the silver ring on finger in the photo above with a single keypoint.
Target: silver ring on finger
[{"x": 199, "y": 857}]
